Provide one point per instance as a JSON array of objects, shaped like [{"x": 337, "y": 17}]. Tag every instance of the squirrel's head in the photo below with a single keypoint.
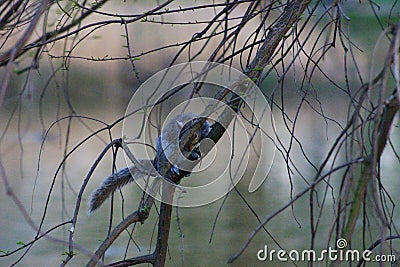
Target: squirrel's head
[
  {"x": 198, "y": 135},
  {"x": 203, "y": 131}
]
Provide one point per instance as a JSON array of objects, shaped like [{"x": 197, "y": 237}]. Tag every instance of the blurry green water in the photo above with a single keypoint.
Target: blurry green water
[{"x": 233, "y": 226}]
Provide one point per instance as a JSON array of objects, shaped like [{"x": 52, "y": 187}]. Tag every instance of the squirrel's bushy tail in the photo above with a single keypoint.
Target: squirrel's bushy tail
[
  {"x": 118, "y": 180},
  {"x": 109, "y": 185}
]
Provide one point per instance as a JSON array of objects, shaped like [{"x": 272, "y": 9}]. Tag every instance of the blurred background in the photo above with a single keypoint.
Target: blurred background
[{"x": 32, "y": 145}]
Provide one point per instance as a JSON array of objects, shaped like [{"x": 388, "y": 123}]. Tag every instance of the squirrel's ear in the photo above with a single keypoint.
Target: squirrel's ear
[{"x": 180, "y": 124}]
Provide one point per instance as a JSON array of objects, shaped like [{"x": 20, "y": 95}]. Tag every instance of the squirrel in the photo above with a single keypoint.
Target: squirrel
[{"x": 167, "y": 145}]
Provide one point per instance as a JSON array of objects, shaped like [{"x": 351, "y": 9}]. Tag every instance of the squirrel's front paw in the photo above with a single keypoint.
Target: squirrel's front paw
[
  {"x": 175, "y": 169},
  {"x": 195, "y": 154}
]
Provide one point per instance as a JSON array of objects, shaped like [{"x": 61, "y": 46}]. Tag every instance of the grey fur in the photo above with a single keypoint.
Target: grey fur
[{"x": 128, "y": 175}]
